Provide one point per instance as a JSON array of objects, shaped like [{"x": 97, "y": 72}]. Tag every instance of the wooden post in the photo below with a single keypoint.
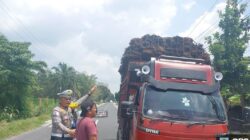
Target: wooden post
[
  {"x": 47, "y": 104},
  {"x": 40, "y": 104}
]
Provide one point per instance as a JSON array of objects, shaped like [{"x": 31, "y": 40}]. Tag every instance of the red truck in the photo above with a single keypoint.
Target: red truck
[{"x": 171, "y": 98}]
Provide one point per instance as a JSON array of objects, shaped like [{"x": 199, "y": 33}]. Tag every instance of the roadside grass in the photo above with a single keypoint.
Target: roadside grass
[
  {"x": 40, "y": 109},
  {"x": 14, "y": 128}
]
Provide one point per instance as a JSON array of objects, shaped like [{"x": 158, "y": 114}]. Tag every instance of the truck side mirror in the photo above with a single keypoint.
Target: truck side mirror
[
  {"x": 127, "y": 109},
  {"x": 137, "y": 97}
]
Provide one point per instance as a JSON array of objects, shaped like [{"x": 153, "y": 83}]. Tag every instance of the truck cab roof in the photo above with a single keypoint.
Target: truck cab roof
[{"x": 183, "y": 71}]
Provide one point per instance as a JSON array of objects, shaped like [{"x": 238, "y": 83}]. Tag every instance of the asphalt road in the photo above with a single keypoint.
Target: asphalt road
[{"x": 107, "y": 127}]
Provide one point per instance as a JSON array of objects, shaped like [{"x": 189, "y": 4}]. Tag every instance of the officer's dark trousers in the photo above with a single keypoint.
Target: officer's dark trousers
[{"x": 59, "y": 138}]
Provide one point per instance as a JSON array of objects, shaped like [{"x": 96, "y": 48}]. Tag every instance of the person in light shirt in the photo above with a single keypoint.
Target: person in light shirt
[{"x": 62, "y": 118}]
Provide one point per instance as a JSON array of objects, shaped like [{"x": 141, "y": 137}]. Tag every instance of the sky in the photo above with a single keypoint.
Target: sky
[{"x": 91, "y": 35}]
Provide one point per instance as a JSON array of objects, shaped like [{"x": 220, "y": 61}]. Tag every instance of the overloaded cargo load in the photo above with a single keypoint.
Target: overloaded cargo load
[
  {"x": 169, "y": 91},
  {"x": 142, "y": 49}
]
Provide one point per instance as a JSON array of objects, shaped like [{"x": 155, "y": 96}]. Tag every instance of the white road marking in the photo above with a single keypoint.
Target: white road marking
[
  {"x": 115, "y": 105},
  {"x": 47, "y": 123}
]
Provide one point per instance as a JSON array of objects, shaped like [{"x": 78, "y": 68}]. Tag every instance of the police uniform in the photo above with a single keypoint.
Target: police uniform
[{"x": 62, "y": 120}]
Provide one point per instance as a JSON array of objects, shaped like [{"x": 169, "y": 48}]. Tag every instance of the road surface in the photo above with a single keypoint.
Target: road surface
[{"x": 107, "y": 127}]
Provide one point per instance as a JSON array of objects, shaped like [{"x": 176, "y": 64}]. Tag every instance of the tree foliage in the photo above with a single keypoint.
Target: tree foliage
[
  {"x": 64, "y": 77},
  {"x": 117, "y": 96},
  {"x": 103, "y": 94},
  {"x": 84, "y": 82},
  {"x": 17, "y": 71},
  {"x": 228, "y": 47},
  {"x": 22, "y": 79}
]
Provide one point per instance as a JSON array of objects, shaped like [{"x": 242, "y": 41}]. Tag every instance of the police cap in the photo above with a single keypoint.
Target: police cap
[{"x": 66, "y": 93}]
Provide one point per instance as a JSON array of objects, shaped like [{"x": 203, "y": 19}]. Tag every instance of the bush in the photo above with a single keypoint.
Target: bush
[
  {"x": 9, "y": 113},
  {"x": 41, "y": 106},
  {"x": 35, "y": 107}
]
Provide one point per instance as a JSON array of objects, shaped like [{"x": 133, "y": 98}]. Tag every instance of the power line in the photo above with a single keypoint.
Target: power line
[
  {"x": 16, "y": 32},
  {"x": 206, "y": 31},
  {"x": 213, "y": 28},
  {"x": 17, "y": 20},
  {"x": 210, "y": 30},
  {"x": 216, "y": 29},
  {"x": 240, "y": 1},
  {"x": 202, "y": 19},
  {"x": 23, "y": 36}
]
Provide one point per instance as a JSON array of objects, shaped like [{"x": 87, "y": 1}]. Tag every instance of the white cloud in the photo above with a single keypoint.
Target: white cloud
[
  {"x": 32, "y": 11},
  {"x": 189, "y": 5},
  {"x": 89, "y": 35},
  {"x": 204, "y": 25},
  {"x": 61, "y": 6},
  {"x": 74, "y": 53}
]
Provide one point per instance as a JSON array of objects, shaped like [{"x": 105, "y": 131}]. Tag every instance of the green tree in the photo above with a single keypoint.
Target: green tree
[
  {"x": 228, "y": 47},
  {"x": 84, "y": 82},
  {"x": 64, "y": 77},
  {"x": 21, "y": 79},
  {"x": 117, "y": 96},
  {"x": 17, "y": 75},
  {"x": 103, "y": 93},
  {"x": 46, "y": 84}
]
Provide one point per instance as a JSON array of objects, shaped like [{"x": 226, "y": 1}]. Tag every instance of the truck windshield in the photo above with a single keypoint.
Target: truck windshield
[{"x": 183, "y": 106}]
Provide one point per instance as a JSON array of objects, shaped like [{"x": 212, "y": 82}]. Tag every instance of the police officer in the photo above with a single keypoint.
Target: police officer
[{"x": 62, "y": 118}]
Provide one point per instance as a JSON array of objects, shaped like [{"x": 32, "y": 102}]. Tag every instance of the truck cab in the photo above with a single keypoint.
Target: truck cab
[{"x": 171, "y": 98}]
